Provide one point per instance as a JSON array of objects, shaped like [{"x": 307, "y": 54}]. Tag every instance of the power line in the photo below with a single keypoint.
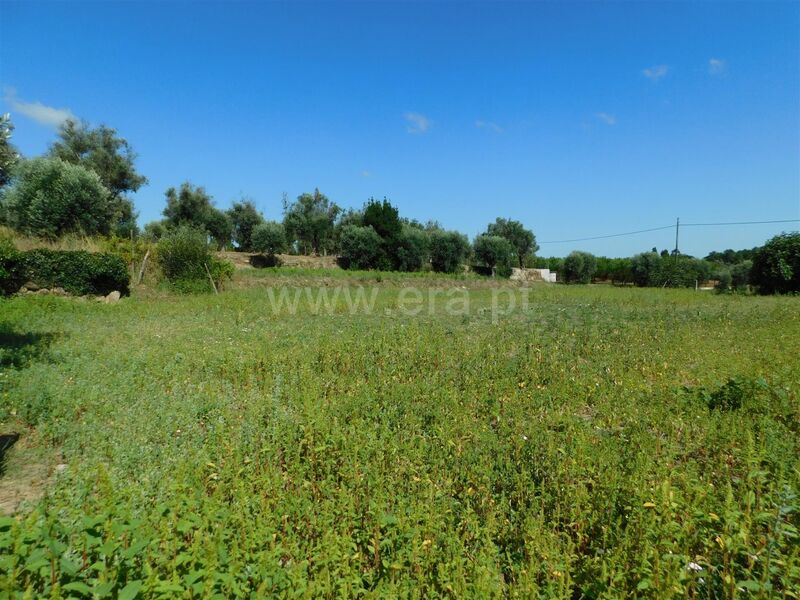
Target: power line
[
  {"x": 601, "y": 237},
  {"x": 740, "y": 223},
  {"x": 613, "y": 235}
]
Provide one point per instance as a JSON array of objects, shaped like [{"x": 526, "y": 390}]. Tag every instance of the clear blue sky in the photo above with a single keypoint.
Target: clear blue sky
[{"x": 577, "y": 119}]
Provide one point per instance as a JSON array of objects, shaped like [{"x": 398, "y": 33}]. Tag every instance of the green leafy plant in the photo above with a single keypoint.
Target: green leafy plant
[{"x": 77, "y": 272}]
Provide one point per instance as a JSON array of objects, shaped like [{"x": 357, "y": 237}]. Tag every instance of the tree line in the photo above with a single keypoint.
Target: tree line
[{"x": 82, "y": 185}]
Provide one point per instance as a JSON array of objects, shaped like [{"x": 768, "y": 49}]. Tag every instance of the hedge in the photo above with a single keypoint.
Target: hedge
[
  {"x": 12, "y": 271},
  {"x": 76, "y": 272}
]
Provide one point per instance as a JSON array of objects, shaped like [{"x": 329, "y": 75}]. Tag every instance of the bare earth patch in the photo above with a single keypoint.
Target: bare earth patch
[{"x": 26, "y": 471}]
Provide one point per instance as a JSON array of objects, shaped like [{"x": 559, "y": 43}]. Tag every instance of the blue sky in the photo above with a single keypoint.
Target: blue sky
[{"x": 577, "y": 119}]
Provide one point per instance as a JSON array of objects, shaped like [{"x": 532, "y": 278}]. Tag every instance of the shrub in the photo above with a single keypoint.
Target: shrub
[
  {"x": 776, "y": 266},
  {"x": 76, "y": 271},
  {"x": 49, "y": 197},
  {"x": 268, "y": 238},
  {"x": 579, "y": 267},
  {"x": 12, "y": 269},
  {"x": 362, "y": 248},
  {"x": 449, "y": 249},
  {"x": 183, "y": 253},
  {"x": 262, "y": 261},
  {"x": 186, "y": 261}
]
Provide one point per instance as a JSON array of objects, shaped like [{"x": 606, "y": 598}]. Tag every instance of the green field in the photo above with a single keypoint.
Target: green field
[{"x": 597, "y": 443}]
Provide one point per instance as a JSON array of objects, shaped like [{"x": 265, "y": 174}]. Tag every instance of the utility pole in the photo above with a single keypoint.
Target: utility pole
[{"x": 677, "y": 227}]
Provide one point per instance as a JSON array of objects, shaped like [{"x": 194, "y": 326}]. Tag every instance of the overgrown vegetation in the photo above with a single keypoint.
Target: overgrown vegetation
[
  {"x": 187, "y": 263},
  {"x": 75, "y": 271},
  {"x": 604, "y": 443}
]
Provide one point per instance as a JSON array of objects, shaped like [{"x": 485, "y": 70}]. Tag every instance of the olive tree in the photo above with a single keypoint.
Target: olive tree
[
  {"x": 579, "y": 267},
  {"x": 48, "y": 197},
  {"x": 268, "y": 238},
  {"x": 103, "y": 151},
  {"x": 448, "y": 250},
  {"x": 522, "y": 240},
  {"x": 495, "y": 252}
]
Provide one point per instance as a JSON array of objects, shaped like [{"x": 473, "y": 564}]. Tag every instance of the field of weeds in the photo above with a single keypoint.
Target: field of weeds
[{"x": 567, "y": 442}]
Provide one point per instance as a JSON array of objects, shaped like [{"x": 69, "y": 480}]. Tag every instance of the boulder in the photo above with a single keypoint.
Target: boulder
[{"x": 112, "y": 297}]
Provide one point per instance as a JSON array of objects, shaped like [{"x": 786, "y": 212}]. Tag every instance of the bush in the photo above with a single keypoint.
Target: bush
[
  {"x": 262, "y": 261},
  {"x": 579, "y": 267},
  {"x": 49, "y": 197},
  {"x": 76, "y": 271},
  {"x": 362, "y": 248},
  {"x": 186, "y": 261},
  {"x": 183, "y": 253},
  {"x": 776, "y": 266},
  {"x": 449, "y": 249},
  {"x": 268, "y": 238},
  {"x": 12, "y": 269}
]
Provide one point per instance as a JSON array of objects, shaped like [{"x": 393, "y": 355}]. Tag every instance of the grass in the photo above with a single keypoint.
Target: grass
[
  {"x": 602, "y": 443},
  {"x": 356, "y": 275}
]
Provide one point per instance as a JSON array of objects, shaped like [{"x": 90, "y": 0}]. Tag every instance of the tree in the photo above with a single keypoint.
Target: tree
[
  {"x": 646, "y": 268},
  {"x": 49, "y": 197},
  {"x": 383, "y": 218},
  {"x": 155, "y": 230},
  {"x": 495, "y": 252},
  {"x": 309, "y": 222},
  {"x": 522, "y": 240},
  {"x": 579, "y": 267},
  {"x": 345, "y": 218},
  {"x": 244, "y": 217},
  {"x": 191, "y": 205},
  {"x": 8, "y": 153},
  {"x": 412, "y": 249},
  {"x": 776, "y": 265},
  {"x": 219, "y": 227},
  {"x": 101, "y": 150},
  {"x": 448, "y": 250},
  {"x": 361, "y": 247},
  {"x": 740, "y": 274},
  {"x": 682, "y": 271},
  {"x": 269, "y": 238}
]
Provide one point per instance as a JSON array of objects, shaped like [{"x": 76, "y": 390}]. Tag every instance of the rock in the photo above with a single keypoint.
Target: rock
[
  {"x": 61, "y": 468},
  {"x": 42, "y": 291},
  {"x": 58, "y": 291},
  {"x": 112, "y": 297},
  {"x": 30, "y": 286}
]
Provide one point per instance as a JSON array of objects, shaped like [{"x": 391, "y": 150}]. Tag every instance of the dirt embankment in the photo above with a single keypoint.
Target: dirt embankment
[{"x": 241, "y": 260}]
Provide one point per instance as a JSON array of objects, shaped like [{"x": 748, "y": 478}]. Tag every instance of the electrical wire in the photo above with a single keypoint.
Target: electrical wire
[
  {"x": 601, "y": 237},
  {"x": 613, "y": 235},
  {"x": 739, "y": 223}
]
